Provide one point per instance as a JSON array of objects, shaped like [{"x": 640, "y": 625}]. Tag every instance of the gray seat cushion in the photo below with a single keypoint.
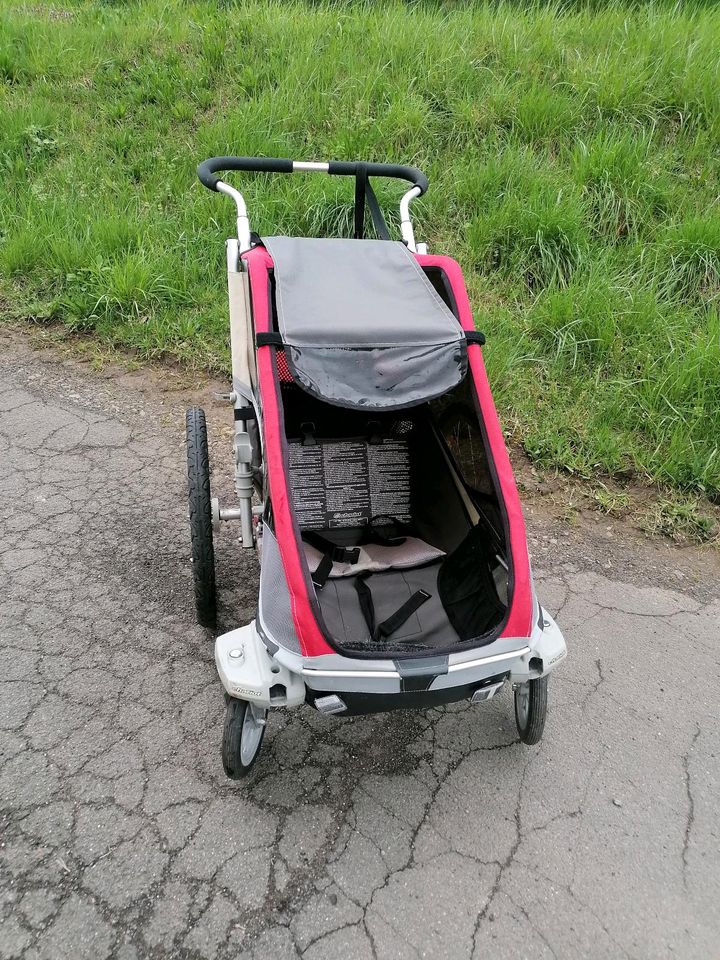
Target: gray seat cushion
[
  {"x": 427, "y": 628},
  {"x": 375, "y": 557}
]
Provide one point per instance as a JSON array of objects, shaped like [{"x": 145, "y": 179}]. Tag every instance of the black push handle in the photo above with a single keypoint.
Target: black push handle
[
  {"x": 208, "y": 168},
  {"x": 344, "y": 168},
  {"x": 351, "y": 168}
]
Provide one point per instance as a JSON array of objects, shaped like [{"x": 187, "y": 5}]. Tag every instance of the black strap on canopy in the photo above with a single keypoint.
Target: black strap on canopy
[
  {"x": 364, "y": 193},
  {"x": 272, "y": 339}
]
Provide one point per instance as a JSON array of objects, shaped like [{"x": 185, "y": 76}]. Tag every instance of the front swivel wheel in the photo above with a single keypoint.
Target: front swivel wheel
[
  {"x": 242, "y": 736},
  {"x": 531, "y": 709}
]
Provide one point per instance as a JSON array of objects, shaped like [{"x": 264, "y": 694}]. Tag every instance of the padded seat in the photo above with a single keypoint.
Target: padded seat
[
  {"x": 375, "y": 557},
  {"x": 427, "y": 628}
]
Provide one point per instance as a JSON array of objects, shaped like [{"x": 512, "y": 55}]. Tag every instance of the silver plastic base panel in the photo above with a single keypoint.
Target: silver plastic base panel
[
  {"x": 523, "y": 660},
  {"x": 252, "y": 674},
  {"x": 248, "y": 672},
  {"x": 547, "y": 651}
]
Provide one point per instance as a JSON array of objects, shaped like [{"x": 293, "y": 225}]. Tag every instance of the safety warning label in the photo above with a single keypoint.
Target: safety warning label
[{"x": 345, "y": 484}]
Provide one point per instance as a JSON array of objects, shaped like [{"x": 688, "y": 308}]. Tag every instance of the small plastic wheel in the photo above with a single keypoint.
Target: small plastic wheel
[
  {"x": 201, "y": 534},
  {"x": 242, "y": 736},
  {"x": 531, "y": 709}
]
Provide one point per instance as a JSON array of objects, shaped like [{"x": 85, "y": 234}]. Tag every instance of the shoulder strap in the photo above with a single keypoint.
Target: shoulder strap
[
  {"x": 337, "y": 554},
  {"x": 319, "y": 578},
  {"x": 371, "y": 534}
]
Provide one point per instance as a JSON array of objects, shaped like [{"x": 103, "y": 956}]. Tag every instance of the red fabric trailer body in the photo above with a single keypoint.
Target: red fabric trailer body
[{"x": 314, "y": 642}]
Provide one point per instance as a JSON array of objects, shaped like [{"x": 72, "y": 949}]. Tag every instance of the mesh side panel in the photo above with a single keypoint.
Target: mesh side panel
[
  {"x": 461, "y": 430},
  {"x": 282, "y": 367},
  {"x": 402, "y": 428},
  {"x": 274, "y": 602}
]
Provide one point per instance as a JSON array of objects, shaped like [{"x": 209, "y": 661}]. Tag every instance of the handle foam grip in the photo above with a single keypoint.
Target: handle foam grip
[{"x": 208, "y": 169}]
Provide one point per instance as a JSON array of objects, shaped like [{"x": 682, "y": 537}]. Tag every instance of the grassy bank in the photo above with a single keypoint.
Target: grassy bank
[{"x": 574, "y": 167}]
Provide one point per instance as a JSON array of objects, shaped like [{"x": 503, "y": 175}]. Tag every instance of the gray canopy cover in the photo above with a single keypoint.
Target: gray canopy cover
[{"x": 362, "y": 324}]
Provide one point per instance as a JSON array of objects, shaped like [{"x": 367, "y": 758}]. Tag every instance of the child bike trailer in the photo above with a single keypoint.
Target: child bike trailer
[{"x": 372, "y": 478}]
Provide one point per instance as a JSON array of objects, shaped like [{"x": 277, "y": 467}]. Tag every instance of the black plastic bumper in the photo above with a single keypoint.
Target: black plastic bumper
[{"x": 364, "y": 703}]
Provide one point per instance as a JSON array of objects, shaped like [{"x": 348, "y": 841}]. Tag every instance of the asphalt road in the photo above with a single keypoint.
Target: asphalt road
[{"x": 409, "y": 835}]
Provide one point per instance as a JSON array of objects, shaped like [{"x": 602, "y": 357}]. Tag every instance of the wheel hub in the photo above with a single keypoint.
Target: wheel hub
[
  {"x": 252, "y": 731},
  {"x": 522, "y": 701}
]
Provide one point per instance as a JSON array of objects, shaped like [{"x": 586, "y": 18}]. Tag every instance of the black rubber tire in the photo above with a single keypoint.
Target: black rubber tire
[
  {"x": 200, "y": 513},
  {"x": 531, "y": 726},
  {"x": 235, "y": 767}
]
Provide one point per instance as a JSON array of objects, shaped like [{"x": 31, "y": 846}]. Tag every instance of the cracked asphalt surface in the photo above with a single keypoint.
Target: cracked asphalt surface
[{"x": 408, "y": 835}]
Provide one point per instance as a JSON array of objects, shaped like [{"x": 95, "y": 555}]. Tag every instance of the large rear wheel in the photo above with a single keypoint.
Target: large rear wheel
[
  {"x": 531, "y": 709},
  {"x": 200, "y": 513}
]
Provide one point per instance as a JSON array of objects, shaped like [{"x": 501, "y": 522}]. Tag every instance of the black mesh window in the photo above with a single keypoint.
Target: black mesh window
[{"x": 459, "y": 428}]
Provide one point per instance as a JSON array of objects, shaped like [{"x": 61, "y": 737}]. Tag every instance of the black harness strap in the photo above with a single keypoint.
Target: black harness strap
[
  {"x": 383, "y": 630},
  {"x": 337, "y": 554},
  {"x": 366, "y": 602},
  {"x": 319, "y": 578},
  {"x": 474, "y": 336},
  {"x": 371, "y": 534},
  {"x": 397, "y": 619}
]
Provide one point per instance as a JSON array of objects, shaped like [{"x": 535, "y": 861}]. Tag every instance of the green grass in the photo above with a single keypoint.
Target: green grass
[
  {"x": 572, "y": 151},
  {"x": 679, "y": 517}
]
